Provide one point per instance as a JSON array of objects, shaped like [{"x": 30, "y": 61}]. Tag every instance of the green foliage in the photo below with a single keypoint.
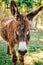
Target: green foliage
[
  {"x": 29, "y": 3},
  {"x": 38, "y": 3},
  {"x": 38, "y": 63},
  {"x": 41, "y": 48},
  {"x": 25, "y": 4},
  {"x": 0, "y": 3},
  {"x": 6, "y": 2}
]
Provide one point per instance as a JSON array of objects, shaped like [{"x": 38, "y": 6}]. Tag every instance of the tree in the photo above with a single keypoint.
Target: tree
[{"x": 29, "y": 3}]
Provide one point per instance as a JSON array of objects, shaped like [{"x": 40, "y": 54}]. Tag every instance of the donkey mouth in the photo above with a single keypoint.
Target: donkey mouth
[{"x": 22, "y": 47}]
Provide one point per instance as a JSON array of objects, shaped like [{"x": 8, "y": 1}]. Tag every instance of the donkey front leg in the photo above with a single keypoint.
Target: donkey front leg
[
  {"x": 8, "y": 50},
  {"x": 14, "y": 57},
  {"x": 21, "y": 59}
]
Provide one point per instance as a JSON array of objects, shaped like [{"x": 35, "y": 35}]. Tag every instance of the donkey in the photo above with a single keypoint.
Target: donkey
[{"x": 16, "y": 30}]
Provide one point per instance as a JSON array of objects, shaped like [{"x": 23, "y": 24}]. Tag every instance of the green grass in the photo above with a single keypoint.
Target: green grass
[
  {"x": 34, "y": 45},
  {"x": 4, "y": 60}
]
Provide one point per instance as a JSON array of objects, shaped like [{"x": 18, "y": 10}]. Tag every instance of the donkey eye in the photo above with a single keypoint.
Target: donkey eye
[
  {"x": 27, "y": 33},
  {"x": 17, "y": 33}
]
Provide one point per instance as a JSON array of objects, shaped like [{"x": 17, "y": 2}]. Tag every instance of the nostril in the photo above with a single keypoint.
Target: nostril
[
  {"x": 22, "y": 52},
  {"x": 25, "y": 51},
  {"x": 19, "y": 51}
]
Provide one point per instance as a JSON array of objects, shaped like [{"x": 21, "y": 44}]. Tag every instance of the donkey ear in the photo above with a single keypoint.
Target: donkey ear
[
  {"x": 32, "y": 14},
  {"x": 13, "y": 7}
]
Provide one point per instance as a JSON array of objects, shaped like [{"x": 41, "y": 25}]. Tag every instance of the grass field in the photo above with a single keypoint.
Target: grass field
[{"x": 35, "y": 46}]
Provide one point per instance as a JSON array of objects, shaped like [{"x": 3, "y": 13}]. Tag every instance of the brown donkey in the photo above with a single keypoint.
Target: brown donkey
[{"x": 16, "y": 30}]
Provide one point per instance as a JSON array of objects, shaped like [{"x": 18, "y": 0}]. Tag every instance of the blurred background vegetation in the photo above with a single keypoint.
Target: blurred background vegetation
[
  {"x": 36, "y": 41},
  {"x": 23, "y": 5}
]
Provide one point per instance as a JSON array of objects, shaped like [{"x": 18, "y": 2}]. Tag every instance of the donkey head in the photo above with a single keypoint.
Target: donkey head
[{"x": 23, "y": 26}]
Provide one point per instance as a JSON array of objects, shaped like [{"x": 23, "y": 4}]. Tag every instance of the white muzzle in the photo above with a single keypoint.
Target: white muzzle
[{"x": 22, "y": 46}]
